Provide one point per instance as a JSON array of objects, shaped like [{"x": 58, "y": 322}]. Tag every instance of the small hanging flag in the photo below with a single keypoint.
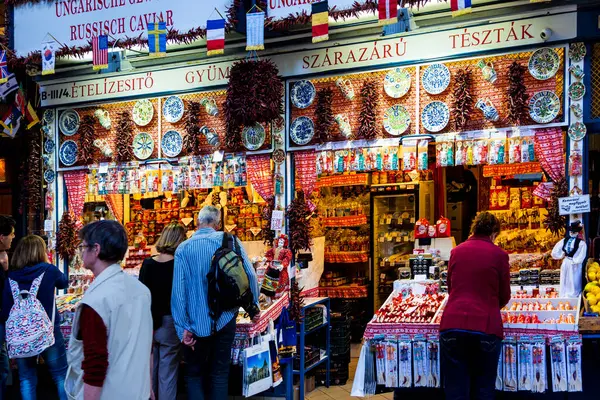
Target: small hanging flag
[
  {"x": 100, "y": 52},
  {"x": 8, "y": 87},
  {"x": 215, "y": 37},
  {"x": 48, "y": 57},
  {"x": 157, "y": 39},
  {"x": 255, "y": 31},
  {"x": 31, "y": 116},
  {"x": 388, "y": 12},
  {"x": 3, "y": 67},
  {"x": 320, "y": 21},
  {"x": 460, "y": 7},
  {"x": 20, "y": 100},
  {"x": 11, "y": 121}
]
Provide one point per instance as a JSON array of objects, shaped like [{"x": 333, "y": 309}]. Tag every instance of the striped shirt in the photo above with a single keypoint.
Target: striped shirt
[{"x": 189, "y": 298}]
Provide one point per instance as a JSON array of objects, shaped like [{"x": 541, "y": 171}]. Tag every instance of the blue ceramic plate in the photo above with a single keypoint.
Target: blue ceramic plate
[
  {"x": 49, "y": 176},
  {"x": 435, "y": 116},
  {"x": 48, "y": 117},
  {"x": 302, "y": 94},
  {"x": 436, "y": 78},
  {"x": 143, "y": 145},
  {"x": 173, "y": 109},
  {"x": 68, "y": 153},
  {"x": 253, "y": 136},
  {"x": 171, "y": 144},
  {"x": 302, "y": 131},
  {"x": 49, "y": 146},
  {"x": 69, "y": 122}
]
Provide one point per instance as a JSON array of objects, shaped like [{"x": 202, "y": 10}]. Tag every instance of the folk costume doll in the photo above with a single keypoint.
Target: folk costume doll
[
  {"x": 572, "y": 250},
  {"x": 276, "y": 280}
]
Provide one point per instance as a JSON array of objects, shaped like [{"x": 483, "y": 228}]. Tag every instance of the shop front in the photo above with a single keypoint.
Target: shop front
[{"x": 387, "y": 147}]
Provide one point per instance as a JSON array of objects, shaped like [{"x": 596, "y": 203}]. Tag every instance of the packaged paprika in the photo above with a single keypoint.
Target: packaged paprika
[
  {"x": 421, "y": 228},
  {"x": 442, "y": 227}
]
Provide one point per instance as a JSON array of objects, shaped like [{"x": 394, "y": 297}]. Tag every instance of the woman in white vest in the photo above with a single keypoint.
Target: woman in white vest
[{"x": 112, "y": 325}]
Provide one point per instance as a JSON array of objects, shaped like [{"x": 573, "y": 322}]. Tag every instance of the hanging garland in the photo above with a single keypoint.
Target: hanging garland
[
  {"x": 462, "y": 100},
  {"x": 368, "y": 111},
  {"x": 86, "y": 140},
  {"x": 555, "y": 222},
  {"x": 66, "y": 236},
  {"x": 124, "y": 137},
  {"x": 300, "y": 228},
  {"x": 34, "y": 171},
  {"x": 518, "y": 110},
  {"x": 254, "y": 94},
  {"x": 324, "y": 116},
  {"x": 191, "y": 141}
]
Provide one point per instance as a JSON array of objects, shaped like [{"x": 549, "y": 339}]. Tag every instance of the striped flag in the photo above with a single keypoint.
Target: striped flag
[
  {"x": 3, "y": 67},
  {"x": 157, "y": 39},
  {"x": 100, "y": 52},
  {"x": 320, "y": 21},
  {"x": 31, "y": 116},
  {"x": 255, "y": 31},
  {"x": 460, "y": 7},
  {"x": 215, "y": 37},
  {"x": 388, "y": 12}
]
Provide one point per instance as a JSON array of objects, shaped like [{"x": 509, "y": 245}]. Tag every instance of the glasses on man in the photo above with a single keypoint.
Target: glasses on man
[{"x": 82, "y": 246}]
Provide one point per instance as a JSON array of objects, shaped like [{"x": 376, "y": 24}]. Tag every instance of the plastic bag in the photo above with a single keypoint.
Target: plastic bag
[{"x": 358, "y": 387}]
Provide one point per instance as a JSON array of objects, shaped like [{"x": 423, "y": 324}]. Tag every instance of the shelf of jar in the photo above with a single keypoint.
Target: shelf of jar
[
  {"x": 344, "y": 222},
  {"x": 346, "y": 257}
]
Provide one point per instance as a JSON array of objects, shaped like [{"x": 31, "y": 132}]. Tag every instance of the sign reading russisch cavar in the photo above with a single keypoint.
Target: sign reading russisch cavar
[{"x": 75, "y": 22}]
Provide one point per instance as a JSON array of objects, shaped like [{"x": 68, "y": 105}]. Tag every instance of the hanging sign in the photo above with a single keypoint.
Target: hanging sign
[
  {"x": 380, "y": 53},
  {"x": 75, "y": 22},
  {"x": 279, "y": 9},
  {"x": 574, "y": 205}
]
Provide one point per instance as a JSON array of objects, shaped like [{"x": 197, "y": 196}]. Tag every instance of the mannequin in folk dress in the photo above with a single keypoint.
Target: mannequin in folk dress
[
  {"x": 572, "y": 250},
  {"x": 277, "y": 279}
]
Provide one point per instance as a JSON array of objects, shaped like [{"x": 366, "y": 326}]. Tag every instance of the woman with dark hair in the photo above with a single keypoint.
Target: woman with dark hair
[
  {"x": 111, "y": 339},
  {"x": 30, "y": 261},
  {"x": 471, "y": 329},
  {"x": 157, "y": 275}
]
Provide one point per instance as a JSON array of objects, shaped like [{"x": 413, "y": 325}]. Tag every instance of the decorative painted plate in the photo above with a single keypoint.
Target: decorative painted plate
[
  {"x": 49, "y": 146},
  {"x": 302, "y": 94},
  {"x": 576, "y": 90},
  {"x": 48, "y": 131},
  {"x": 302, "y": 130},
  {"x": 435, "y": 116},
  {"x": 49, "y": 176},
  {"x": 436, "y": 78},
  {"x": 577, "y": 131},
  {"x": 48, "y": 117},
  {"x": 171, "y": 144},
  {"x": 278, "y": 156},
  {"x": 143, "y": 112},
  {"x": 143, "y": 145},
  {"x": 544, "y": 63},
  {"x": 46, "y": 161},
  {"x": 396, "y": 120},
  {"x": 68, "y": 153},
  {"x": 253, "y": 137},
  {"x": 397, "y": 83},
  {"x": 577, "y": 51},
  {"x": 544, "y": 106},
  {"x": 69, "y": 122},
  {"x": 173, "y": 109}
]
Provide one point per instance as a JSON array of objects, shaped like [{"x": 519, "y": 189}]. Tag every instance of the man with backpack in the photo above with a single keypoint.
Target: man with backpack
[{"x": 213, "y": 278}]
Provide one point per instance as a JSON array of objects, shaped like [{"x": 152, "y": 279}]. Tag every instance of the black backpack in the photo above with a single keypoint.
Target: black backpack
[{"x": 228, "y": 282}]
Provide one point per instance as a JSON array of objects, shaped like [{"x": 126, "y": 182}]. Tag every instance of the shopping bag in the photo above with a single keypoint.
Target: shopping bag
[
  {"x": 258, "y": 375},
  {"x": 286, "y": 335},
  {"x": 271, "y": 338},
  {"x": 358, "y": 387}
]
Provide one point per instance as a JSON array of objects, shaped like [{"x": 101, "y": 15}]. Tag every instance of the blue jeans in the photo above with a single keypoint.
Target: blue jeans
[
  {"x": 207, "y": 366},
  {"x": 469, "y": 364},
  {"x": 55, "y": 358}
]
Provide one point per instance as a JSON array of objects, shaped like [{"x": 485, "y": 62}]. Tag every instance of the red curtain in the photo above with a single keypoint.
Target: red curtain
[
  {"x": 260, "y": 175},
  {"x": 76, "y": 182},
  {"x": 306, "y": 171},
  {"x": 549, "y": 149}
]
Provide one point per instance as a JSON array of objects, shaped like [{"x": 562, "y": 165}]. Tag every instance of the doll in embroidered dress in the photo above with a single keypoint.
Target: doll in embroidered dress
[{"x": 277, "y": 279}]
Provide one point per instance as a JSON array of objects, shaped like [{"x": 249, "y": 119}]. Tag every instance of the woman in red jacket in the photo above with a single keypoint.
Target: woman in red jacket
[{"x": 471, "y": 329}]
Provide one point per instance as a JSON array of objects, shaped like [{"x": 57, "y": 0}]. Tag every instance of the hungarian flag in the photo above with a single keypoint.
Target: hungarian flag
[
  {"x": 3, "y": 67},
  {"x": 460, "y": 7},
  {"x": 100, "y": 52},
  {"x": 388, "y": 12},
  {"x": 215, "y": 37},
  {"x": 320, "y": 21},
  {"x": 157, "y": 39}
]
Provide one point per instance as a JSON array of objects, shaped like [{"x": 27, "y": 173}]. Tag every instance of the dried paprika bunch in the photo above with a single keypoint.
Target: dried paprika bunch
[
  {"x": 124, "y": 138},
  {"x": 296, "y": 302},
  {"x": 518, "y": 109},
  {"x": 86, "y": 140},
  {"x": 555, "y": 222},
  {"x": 191, "y": 141},
  {"x": 298, "y": 215},
  {"x": 368, "y": 110},
  {"x": 66, "y": 236},
  {"x": 324, "y": 120},
  {"x": 462, "y": 101},
  {"x": 269, "y": 234},
  {"x": 34, "y": 171}
]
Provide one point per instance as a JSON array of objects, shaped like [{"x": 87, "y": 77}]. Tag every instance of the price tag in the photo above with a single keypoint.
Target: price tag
[
  {"x": 103, "y": 168},
  {"x": 420, "y": 278},
  {"x": 218, "y": 156},
  {"x": 277, "y": 220},
  {"x": 48, "y": 225}
]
